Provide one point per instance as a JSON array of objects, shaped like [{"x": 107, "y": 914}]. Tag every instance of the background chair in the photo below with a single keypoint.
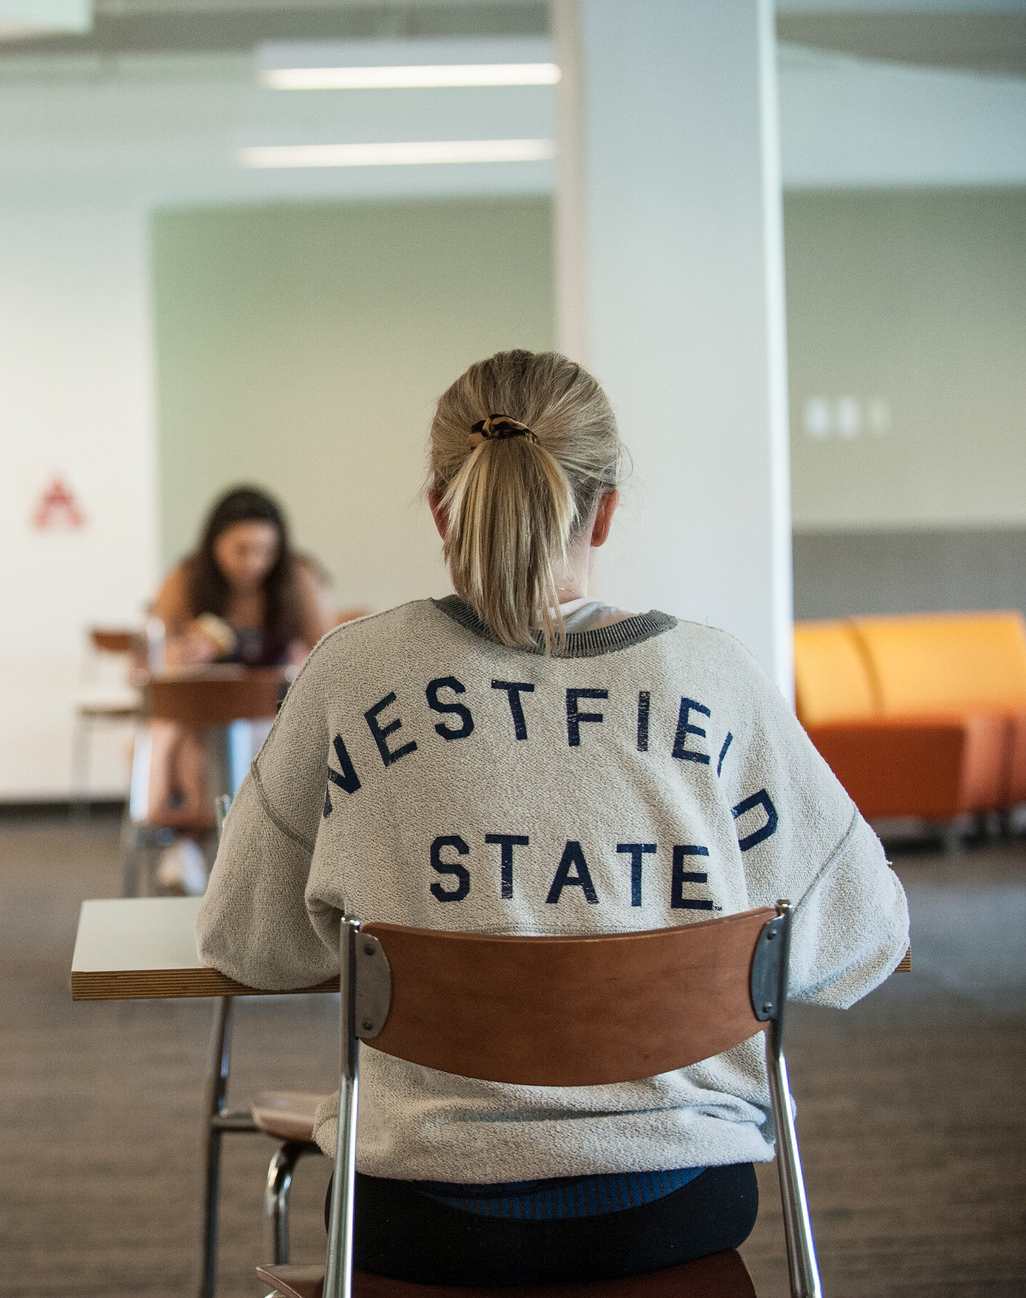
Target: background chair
[
  {"x": 286, "y": 1116},
  {"x": 105, "y": 697},
  {"x": 585, "y": 1011},
  {"x": 348, "y": 614},
  {"x": 221, "y": 702}
]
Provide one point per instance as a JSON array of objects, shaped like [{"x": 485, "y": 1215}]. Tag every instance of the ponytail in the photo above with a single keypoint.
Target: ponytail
[
  {"x": 514, "y": 494},
  {"x": 510, "y": 512}
]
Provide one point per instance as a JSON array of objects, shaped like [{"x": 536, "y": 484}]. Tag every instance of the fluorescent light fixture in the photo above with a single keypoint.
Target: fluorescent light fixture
[
  {"x": 401, "y": 63},
  {"x": 414, "y": 153},
  {"x": 20, "y": 19},
  {"x": 414, "y": 75}
]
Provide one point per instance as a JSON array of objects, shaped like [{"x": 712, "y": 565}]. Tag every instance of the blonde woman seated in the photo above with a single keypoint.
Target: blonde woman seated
[
  {"x": 521, "y": 758},
  {"x": 244, "y": 596}
]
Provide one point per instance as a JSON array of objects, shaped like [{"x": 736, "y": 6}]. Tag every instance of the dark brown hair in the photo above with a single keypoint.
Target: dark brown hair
[{"x": 209, "y": 592}]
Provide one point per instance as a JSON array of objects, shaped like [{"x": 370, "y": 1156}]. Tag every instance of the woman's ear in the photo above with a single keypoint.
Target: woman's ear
[
  {"x": 437, "y": 513},
  {"x": 608, "y": 502}
]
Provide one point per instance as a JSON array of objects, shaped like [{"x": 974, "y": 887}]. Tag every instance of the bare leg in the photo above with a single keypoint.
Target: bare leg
[
  {"x": 164, "y": 736},
  {"x": 178, "y": 777},
  {"x": 190, "y": 775}
]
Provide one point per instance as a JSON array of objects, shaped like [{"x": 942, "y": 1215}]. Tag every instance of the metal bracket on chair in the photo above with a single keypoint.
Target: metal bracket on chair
[
  {"x": 373, "y": 987},
  {"x": 769, "y": 970}
]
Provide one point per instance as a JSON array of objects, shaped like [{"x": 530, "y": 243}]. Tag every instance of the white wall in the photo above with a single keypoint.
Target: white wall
[
  {"x": 848, "y": 122},
  {"x": 75, "y": 399},
  {"x": 907, "y": 337}
]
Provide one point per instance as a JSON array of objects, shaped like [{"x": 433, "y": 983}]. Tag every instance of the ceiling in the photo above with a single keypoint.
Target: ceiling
[
  {"x": 154, "y": 105},
  {"x": 988, "y": 40},
  {"x": 223, "y": 26},
  {"x": 981, "y": 42}
]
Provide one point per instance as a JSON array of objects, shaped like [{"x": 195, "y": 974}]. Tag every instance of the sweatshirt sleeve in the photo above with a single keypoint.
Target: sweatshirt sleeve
[
  {"x": 254, "y": 923},
  {"x": 850, "y": 927}
]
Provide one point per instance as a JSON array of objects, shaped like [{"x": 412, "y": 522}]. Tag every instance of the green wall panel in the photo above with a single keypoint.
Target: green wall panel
[
  {"x": 302, "y": 347},
  {"x": 910, "y": 309}
]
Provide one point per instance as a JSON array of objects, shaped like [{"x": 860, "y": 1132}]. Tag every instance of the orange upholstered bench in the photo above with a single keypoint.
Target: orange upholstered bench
[
  {"x": 921, "y": 715},
  {"x": 971, "y": 663}
]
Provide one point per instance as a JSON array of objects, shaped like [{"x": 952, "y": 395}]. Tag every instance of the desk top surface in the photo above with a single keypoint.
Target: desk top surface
[
  {"x": 145, "y": 947},
  {"x": 137, "y": 933}
]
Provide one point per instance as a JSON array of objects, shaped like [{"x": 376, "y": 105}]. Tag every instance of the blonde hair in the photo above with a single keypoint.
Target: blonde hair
[{"x": 513, "y": 504}]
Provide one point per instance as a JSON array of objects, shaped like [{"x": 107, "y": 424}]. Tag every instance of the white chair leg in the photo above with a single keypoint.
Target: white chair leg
[
  {"x": 80, "y": 741},
  {"x": 131, "y": 849}
]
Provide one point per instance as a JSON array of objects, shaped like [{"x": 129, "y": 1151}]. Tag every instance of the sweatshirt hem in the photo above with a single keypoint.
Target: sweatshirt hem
[{"x": 654, "y": 1154}]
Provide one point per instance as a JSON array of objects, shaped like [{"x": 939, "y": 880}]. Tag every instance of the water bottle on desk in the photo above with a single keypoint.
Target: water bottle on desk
[{"x": 156, "y": 646}]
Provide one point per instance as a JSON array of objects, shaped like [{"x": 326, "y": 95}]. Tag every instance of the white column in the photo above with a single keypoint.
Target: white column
[{"x": 670, "y": 266}]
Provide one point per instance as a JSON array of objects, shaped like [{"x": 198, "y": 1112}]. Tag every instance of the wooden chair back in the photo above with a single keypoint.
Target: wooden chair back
[
  {"x": 574, "y": 1011},
  {"x": 107, "y": 640},
  {"x": 217, "y": 699},
  {"x": 563, "y": 1011},
  {"x": 348, "y": 615}
]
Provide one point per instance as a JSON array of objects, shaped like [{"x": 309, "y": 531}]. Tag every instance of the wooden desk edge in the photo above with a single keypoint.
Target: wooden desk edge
[{"x": 160, "y": 984}]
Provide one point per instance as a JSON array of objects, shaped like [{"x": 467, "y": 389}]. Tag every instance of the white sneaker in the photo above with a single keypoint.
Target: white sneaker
[{"x": 182, "y": 869}]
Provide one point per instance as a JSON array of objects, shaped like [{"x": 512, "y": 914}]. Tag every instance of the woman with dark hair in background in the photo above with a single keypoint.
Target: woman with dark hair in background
[{"x": 243, "y": 596}]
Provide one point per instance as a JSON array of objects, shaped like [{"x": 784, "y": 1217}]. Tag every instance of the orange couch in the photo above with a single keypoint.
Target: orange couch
[{"x": 920, "y": 715}]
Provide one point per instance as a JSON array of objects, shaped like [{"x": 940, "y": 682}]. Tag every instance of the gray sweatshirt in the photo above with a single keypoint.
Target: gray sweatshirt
[{"x": 421, "y": 773}]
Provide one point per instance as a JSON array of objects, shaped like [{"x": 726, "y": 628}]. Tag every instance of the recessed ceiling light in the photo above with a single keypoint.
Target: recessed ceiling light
[
  {"x": 23, "y": 19},
  {"x": 414, "y": 75},
  {"x": 417, "y": 152}
]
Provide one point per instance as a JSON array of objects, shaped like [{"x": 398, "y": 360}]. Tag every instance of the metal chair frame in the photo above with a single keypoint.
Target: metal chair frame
[
  {"x": 366, "y": 1002},
  {"x": 219, "y": 1121},
  {"x": 276, "y": 1193}
]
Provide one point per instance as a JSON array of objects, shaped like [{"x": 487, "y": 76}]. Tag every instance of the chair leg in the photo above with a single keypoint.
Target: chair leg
[
  {"x": 218, "y": 1120},
  {"x": 139, "y": 849},
  {"x": 134, "y": 835},
  {"x": 219, "y": 1060},
  {"x": 803, "y": 1269},
  {"x": 131, "y": 850},
  {"x": 211, "y": 1194},
  {"x": 80, "y": 741},
  {"x": 276, "y": 1195}
]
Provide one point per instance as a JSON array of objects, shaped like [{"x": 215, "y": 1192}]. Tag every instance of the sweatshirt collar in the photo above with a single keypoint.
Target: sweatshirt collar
[{"x": 579, "y": 644}]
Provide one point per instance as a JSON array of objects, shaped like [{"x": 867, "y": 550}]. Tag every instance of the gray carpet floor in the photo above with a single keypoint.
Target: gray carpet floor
[{"x": 911, "y": 1106}]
